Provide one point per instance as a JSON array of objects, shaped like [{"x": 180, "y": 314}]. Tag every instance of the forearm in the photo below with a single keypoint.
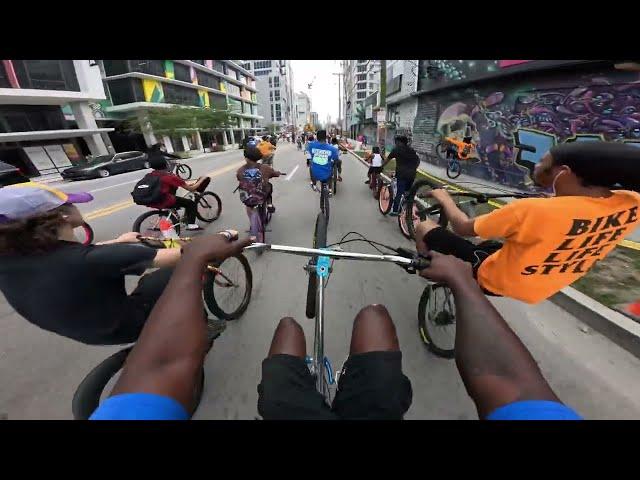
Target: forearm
[
  {"x": 457, "y": 218},
  {"x": 111, "y": 242},
  {"x": 495, "y": 366},
  {"x": 167, "y": 257}
]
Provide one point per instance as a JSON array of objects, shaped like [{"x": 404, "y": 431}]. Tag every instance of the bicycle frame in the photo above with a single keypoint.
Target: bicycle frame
[{"x": 319, "y": 364}]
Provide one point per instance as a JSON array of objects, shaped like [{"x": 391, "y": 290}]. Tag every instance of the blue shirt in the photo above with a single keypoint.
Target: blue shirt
[
  {"x": 322, "y": 157},
  {"x": 149, "y": 406}
]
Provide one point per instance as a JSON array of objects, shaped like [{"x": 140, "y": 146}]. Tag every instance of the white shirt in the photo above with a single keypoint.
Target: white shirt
[{"x": 376, "y": 161}]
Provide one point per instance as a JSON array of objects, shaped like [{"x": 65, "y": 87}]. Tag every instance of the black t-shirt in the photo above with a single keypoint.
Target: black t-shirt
[
  {"x": 407, "y": 161},
  {"x": 76, "y": 291}
]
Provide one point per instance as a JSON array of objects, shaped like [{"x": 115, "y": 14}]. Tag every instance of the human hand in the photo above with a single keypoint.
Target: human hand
[
  {"x": 447, "y": 269},
  {"x": 439, "y": 194},
  {"x": 217, "y": 247},
  {"x": 129, "y": 237}
]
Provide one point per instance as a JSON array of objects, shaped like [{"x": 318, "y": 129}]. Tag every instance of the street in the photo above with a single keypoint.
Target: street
[{"x": 40, "y": 371}]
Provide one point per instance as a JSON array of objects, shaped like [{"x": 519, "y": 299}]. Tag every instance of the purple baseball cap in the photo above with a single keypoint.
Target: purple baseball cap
[{"x": 24, "y": 200}]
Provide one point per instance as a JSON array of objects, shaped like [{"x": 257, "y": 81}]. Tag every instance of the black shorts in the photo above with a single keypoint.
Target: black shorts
[
  {"x": 374, "y": 170},
  {"x": 445, "y": 241},
  {"x": 371, "y": 387}
]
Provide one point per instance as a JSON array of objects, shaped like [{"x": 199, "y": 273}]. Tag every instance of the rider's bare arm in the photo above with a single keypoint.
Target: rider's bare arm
[
  {"x": 171, "y": 348},
  {"x": 166, "y": 257},
  {"x": 194, "y": 186},
  {"x": 495, "y": 366},
  {"x": 129, "y": 237},
  {"x": 460, "y": 222}
]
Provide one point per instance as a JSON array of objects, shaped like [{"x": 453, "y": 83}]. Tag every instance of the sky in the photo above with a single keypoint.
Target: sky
[{"x": 324, "y": 89}]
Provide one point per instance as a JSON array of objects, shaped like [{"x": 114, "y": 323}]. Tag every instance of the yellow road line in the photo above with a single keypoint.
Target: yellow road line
[
  {"x": 116, "y": 207},
  {"x": 624, "y": 243}
]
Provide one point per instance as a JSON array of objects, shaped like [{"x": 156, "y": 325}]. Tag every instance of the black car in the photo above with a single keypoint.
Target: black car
[
  {"x": 10, "y": 175},
  {"x": 106, "y": 165}
]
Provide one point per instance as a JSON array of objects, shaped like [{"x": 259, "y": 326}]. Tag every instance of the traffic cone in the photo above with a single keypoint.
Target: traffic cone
[
  {"x": 634, "y": 308},
  {"x": 167, "y": 230}
]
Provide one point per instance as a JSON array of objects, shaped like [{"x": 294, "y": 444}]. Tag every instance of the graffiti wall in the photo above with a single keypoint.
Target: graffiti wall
[{"x": 560, "y": 107}]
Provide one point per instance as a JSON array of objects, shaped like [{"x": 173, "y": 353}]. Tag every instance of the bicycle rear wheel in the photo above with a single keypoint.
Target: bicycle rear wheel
[
  {"x": 437, "y": 320},
  {"x": 385, "y": 199},
  {"x": 319, "y": 241},
  {"x": 184, "y": 171},
  {"x": 454, "y": 169},
  {"x": 257, "y": 225},
  {"x": 227, "y": 289},
  {"x": 209, "y": 207},
  {"x": 402, "y": 221},
  {"x": 148, "y": 224},
  {"x": 441, "y": 150}
]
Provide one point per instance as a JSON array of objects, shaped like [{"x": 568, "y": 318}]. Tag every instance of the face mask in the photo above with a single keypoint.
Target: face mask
[{"x": 553, "y": 185}]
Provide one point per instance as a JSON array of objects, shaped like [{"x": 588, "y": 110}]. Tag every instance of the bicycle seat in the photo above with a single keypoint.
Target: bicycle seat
[{"x": 87, "y": 396}]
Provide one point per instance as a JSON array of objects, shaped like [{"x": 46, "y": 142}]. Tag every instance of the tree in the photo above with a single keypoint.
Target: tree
[{"x": 180, "y": 120}]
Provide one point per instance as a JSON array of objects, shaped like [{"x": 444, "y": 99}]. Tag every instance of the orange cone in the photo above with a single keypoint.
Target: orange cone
[{"x": 634, "y": 308}]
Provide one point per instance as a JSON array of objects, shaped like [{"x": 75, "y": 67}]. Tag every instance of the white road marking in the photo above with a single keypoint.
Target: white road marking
[
  {"x": 113, "y": 186},
  {"x": 291, "y": 174}
]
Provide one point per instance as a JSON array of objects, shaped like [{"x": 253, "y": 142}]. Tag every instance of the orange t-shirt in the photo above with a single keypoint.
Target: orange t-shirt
[
  {"x": 265, "y": 147},
  {"x": 552, "y": 242}
]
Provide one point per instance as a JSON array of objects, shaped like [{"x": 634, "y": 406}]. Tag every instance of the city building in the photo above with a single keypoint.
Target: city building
[
  {"x": 314, "y": 119},
  {"x": 274, "y": 81},
  {"x": 46, "y": 114},
  {"x": 402, "y": 106},
  {"x": 136, "y": 86},
  {"x": 303, "y": 110},
  {"x": 361, "y": 79}
]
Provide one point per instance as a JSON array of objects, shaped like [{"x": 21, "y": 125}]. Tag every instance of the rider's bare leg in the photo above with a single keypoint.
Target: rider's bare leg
[
  {"x": 422, "y": 229},
  {"x": 373, "y": 331},
  {"x": 288, "y": 339}
]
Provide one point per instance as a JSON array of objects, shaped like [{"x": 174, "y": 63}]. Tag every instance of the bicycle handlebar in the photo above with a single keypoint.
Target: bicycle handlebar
[{"x": 407, "y": 259}]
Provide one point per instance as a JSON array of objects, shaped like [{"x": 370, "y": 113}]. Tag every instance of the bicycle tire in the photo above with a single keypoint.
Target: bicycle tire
[
  {"x": 268, "y": 214},
  {"x": 402, "y": 222},
  {"x": 319, "y": 241},
  {"x": 425, "y": 324},
  {"x": 137, "y": 224},
  {"x": 211, "y": 201},
  {"x": 184, "y": 171},
  {"x": 324, "y": 200},
  {"x": 441, "y": 219},
  {"x": 451, "y": 172},
  {"x": 385, "y": 195},
  {"x": 334, "y": 180},
  {"x": 441, "y": 150},
  {"x": 208, "y": 291}
]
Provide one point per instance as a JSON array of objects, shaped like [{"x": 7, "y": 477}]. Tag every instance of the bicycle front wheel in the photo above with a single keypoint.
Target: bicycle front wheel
[
  {"x": 420, "y": 207},
  {"x": 319, "y": 241},
  {"x": 209, "y": 207},
  {"x": 385, "y": 199},
  {"x": 227, "y": 288},
  {"x": 148, "y": 224},
  {"x": 334, "y": 181},
  {"x": 402, "y": 222},
  {"x": 437, "y": 320},
  {"x": 454, "y": 169},
  {"x": 324, "y": 201},
  {"x": 184, "y": 171}
]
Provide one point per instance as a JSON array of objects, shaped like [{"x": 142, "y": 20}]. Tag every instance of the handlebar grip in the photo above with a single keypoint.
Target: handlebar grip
[
  {"x": 422, "y": 263},
  {"x": 526, "y": 148}
]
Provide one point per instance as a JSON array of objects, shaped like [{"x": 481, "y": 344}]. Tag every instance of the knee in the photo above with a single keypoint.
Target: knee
[
  {"x": 425, "y": 227},
  {"x": 289, "y": 323},
  {"x": 374, "y": 312}
]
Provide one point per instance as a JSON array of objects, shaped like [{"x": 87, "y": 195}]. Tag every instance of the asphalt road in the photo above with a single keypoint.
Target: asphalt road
[{"x": 40, "y": 371}]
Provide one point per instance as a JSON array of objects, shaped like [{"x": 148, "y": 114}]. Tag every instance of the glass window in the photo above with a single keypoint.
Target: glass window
[
  {"x": 261, "y": 73},
  {"x": 180, "y": 95},
  {"x": 27, "y": 118},
  {"x": 181, "y": 72},
  {"x": 46, "y": 74},
  {"x": 271, "y": 81},
  {"x": 217, "y": 102},
  {"x": 276, "y": 95},
  {"x": 276, "y": 81},
  {"x": 361, "y": 68},
  {"x": 361, "y": 95},
  {"x": 262, "y": 64},
  {"x": 116, "y": 67},
  {"x": 207, "y": 80},
  {"x": 152, "y": 67},
  {"x": 360, "y": 77},
  {"x": 218, "y": 66},
  {"x": 233, "y": 89},
  {"x": 126, "y": 90}
]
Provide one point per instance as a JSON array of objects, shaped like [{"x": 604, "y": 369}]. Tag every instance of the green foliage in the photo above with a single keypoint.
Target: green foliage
[{"x": 182, "y": 120}]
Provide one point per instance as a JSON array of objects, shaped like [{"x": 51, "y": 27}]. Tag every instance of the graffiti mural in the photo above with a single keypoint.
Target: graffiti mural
[{"x": 599, "y": 108}]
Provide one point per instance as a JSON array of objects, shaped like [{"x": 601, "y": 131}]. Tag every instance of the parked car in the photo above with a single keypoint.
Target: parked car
[
  {"x": 106, "y": 165},
  {"x": 10, "y": 175}
]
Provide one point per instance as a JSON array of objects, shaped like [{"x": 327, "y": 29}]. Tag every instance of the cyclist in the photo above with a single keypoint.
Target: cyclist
[
  {"x": 549, "y": 242},
  {"x": 299, "y": 142},
  {"x": 169, "y": 184},
  {"x": 407, "y": 162},
  {"x": 375, "y": 159},
  {"x": 71, "y": 289},
  {"x": 163, "y": 371},
  {"x": 159, "y": 151},
  {"x": 254, "y": 180},
  {"x": 267, "y": 149},
  {"x": 322, "y": 157},
  {"x": 334, "y": 142}
]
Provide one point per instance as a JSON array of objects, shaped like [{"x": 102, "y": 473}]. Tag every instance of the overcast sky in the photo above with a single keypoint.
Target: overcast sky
[{"x": 324, "y": 90}]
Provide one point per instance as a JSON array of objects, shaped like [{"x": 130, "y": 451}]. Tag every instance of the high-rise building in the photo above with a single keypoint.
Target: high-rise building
[
  {"x": 46, "y": 114},
  {"x": 274, "y": 81},
  {"x": 314, "y": 119},
  {"x": 303, "y": 110},
  {"x": 361, "y": 79},
  {"x": 135, "y": 86}
]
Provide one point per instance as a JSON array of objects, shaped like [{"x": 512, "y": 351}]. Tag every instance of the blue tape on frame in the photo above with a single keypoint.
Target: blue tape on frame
[{"x": 322, "y": 266}]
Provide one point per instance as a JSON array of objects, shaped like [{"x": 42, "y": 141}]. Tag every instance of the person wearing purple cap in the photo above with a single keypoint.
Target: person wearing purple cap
[{"x": 65, "y": 287}]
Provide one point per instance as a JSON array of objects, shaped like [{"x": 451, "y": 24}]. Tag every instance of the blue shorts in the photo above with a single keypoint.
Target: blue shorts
[
  {"x": 534, "y": 410},
  {"x": 140, "y": 406}
]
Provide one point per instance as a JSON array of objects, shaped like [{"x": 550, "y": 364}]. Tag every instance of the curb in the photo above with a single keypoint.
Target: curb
[{"x": 620, "y": 329}]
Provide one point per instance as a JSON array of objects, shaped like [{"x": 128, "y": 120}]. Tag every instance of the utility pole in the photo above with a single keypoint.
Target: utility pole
[
  {"x": 383, "y": 103},
  {"x": 339, "y": 75}
]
